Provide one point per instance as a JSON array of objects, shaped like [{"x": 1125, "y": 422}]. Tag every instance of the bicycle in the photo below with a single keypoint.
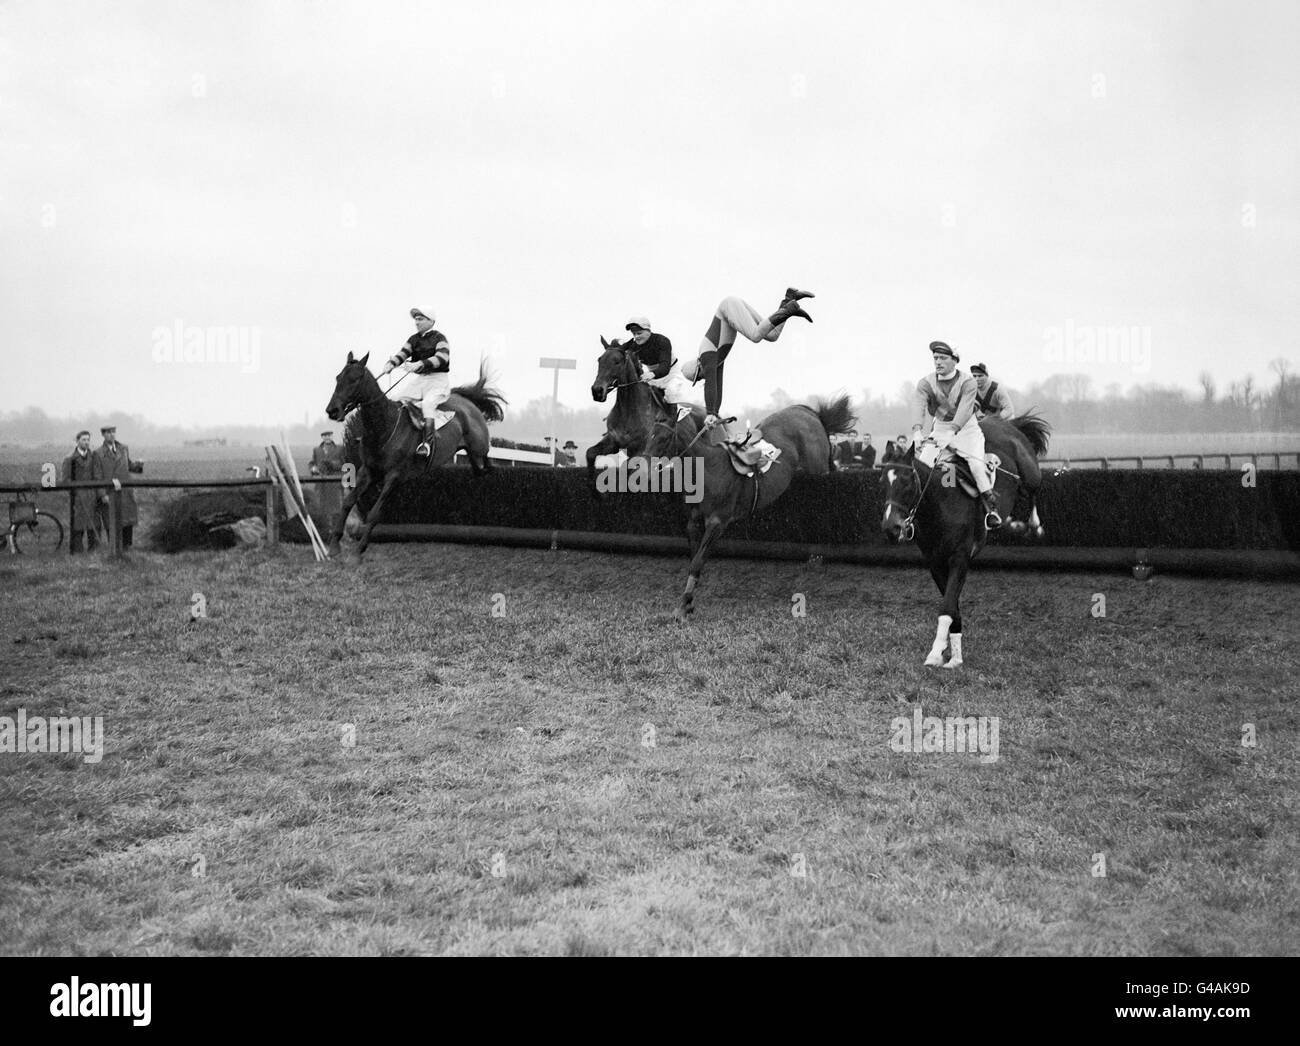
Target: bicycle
[{"x": 33, "y": 530}]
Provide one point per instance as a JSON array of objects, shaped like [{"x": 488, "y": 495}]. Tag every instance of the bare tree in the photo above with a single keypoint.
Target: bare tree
[{"x": 1207, "y": 388}]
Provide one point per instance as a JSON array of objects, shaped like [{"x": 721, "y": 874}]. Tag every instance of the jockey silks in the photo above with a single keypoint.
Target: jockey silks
[
  {"x": 428, "y": 348},
  {"x": 656, "y": 353}
]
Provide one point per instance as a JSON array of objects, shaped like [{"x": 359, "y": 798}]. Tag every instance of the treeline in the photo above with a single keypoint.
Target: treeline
[{"x": 1069, "y": 401}]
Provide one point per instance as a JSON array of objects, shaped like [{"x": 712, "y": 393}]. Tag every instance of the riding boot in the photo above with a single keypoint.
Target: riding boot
[
  {"x": 788, "y": 308},
  {"x": 991, "y": 518},
  {"x": 426, "y": 446}
]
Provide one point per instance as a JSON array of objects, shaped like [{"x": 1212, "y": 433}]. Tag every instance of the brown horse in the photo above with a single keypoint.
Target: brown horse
[
  {"x": 631, "y": 423},
  {"x": 803, "y": 435},
  {"x": 389, "y": 439},
  {"x": 948, "y": 523}
]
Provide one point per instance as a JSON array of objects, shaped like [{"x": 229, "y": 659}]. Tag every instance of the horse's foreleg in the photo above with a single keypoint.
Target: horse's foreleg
[
  {"x": 372, "y": 517},
  {"x": 694, "y": 530},
  {"x": 713, "y": 528},
  {"x": 939, "y": 571},
  {"x": 605, "y": 446},
  {"x": 349, "y": 500},
  {"x": 958, "y": 567}
]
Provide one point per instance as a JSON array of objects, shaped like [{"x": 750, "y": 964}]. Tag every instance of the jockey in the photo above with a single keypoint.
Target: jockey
[
  {"x": 427, "y": 359},
  {"x": 991, "y": 399},
  {"x": 948, "y": 396},
  {"x": 733, "y": 317},
  {"x": 655, "y": 353}
]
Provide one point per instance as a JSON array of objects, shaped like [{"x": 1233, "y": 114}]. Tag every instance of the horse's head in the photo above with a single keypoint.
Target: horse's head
[
  {"x": 351, "y": 388},
  {"x": 671, "y": 436},
  {"x": 616, "y": 366},
  {"x": 902, "y": 492}
]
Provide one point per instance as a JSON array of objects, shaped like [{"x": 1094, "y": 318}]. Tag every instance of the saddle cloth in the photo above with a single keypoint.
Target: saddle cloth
[
  {"x": 750, "y": 454},
  {"x": 416, "y": 416},
  {"x": 929, "y": 454}
]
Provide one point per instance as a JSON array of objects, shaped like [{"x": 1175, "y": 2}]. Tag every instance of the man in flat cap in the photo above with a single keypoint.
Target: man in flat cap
[
  {"x": 991, "y": 399},
  {"x": 327, "y": 458},
  {"x": 948, "y": 397},
  {"x": 427, "y": 359},
  {"x": 77, "y": 465},
  {"x": 736, "y": 316},
  {"x": 113, "y": 461}
]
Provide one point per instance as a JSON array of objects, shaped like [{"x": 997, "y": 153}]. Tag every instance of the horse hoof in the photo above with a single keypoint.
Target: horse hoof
[
  {"x": 1040, "y": 533},
  {"x": 934, "y": 661},
  {"x": 952, "y": 664}
]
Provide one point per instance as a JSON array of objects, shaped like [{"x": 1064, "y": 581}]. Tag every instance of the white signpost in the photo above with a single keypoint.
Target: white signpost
[{"x": 556, "y": 364}]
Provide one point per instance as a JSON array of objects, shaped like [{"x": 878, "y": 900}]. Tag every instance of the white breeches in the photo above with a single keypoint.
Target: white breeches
[
  {"x": 676, "y": 388},
  {"x": 430, "y": 391},
  {"x": 968, "y": 442},
  {"x": 737, "y": 316}
]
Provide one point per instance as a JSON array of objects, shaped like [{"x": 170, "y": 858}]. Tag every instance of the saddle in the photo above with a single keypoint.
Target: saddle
[
  {"x": 415, "y": 415},
  {"x": 929, "y": 454},
  {"x": 746, "y": 455}
]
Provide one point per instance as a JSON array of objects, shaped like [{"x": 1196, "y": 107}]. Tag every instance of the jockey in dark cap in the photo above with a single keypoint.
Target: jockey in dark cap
[{"x": 991, "y": 399}]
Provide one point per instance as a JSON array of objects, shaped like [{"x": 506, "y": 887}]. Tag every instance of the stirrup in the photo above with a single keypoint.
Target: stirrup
[
  {"x": 423, "y": 450},
  {"x": 992, "y": 514}
]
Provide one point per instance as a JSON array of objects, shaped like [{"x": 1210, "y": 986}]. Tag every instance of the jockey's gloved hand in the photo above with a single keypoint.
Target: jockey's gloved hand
[
  {"x": 387, "y": 368},
  {"x": 646, "y": 373}
]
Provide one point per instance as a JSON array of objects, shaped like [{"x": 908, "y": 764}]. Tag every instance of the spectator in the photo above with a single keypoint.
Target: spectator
[
  {"x": 570, "y": 454},
  {"x": 844, "y": 452},
  {"x": 79, "y": 466},
  {"x": 113, "y": 461},
  {"x": 866, "y": 452},
  {"x": 327, "y": 459}
]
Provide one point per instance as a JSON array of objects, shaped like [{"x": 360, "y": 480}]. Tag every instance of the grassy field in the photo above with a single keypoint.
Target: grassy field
[{"x": 361, "y": 758}]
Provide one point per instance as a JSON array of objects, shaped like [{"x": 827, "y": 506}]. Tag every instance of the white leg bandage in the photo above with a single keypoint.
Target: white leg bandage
[
  {"x": 954, "y": 644},
  {"x": 940, "y": 642}
]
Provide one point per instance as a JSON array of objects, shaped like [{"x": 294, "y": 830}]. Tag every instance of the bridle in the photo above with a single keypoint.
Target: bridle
[
  {"x": 351, "y": 405},
  {"x": 909, "y": 525}
]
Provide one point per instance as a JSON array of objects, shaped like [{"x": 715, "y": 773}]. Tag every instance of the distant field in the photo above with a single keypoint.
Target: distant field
[{"x": 581, "y": 776}]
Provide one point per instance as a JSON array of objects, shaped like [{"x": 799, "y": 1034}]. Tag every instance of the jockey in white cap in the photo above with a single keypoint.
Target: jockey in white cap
[
  {"x": 948, "y": 396},
  {"x": 658, "y": 368},
  {"x": 736, "y": 316},
  {"x": 427, "y": 359}
]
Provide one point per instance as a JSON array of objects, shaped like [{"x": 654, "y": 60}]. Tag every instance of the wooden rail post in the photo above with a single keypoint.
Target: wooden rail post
[
  {"x": 114, "y": 523},
  {"x": 72, "y": 522},
  {"x": 272, "y": 513}
]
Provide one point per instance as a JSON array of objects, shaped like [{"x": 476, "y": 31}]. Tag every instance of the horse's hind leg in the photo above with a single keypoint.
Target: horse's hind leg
[
  {"x": 372, "y": 517},
  {"x": 714, "y": 527},
  {"x": 349, "y": 499}
]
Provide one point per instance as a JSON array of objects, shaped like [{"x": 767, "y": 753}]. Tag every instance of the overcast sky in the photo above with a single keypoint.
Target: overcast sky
[{"x": 995, "y": 175}]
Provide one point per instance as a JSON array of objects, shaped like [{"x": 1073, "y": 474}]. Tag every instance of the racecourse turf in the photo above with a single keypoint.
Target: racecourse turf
[{"x": 365, "y": 758}]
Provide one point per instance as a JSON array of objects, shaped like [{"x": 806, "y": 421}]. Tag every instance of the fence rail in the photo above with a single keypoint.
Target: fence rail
[
  {"x": 1197, "y": 461},
  {"x": 114, "y": 491}
]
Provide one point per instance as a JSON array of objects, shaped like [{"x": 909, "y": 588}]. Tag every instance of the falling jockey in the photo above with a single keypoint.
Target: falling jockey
[
  {"x": 948, "y": 396},
  {"x": 735, "y": 316},
  {"x": 427, "y": 359}
]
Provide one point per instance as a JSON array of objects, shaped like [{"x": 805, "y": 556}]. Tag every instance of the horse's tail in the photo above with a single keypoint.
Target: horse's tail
[
  {"x": 486, "y": 398},
  {"x": 1035, "y": 430},
  {"x": 835, "y": 415}
]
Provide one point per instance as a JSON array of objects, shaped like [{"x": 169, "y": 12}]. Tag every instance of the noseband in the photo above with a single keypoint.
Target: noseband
[{"x": 909, "y": 525}]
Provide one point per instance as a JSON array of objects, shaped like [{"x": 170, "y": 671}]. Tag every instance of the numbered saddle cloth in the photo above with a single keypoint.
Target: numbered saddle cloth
[{"x": 929, "y": 454}]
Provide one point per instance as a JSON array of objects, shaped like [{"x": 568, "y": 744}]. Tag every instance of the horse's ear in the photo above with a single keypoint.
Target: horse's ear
[
  {"x": 603, "y": 341},
  {"x": 349, "y": 357},
  {"x": 363, "y": 359}
]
